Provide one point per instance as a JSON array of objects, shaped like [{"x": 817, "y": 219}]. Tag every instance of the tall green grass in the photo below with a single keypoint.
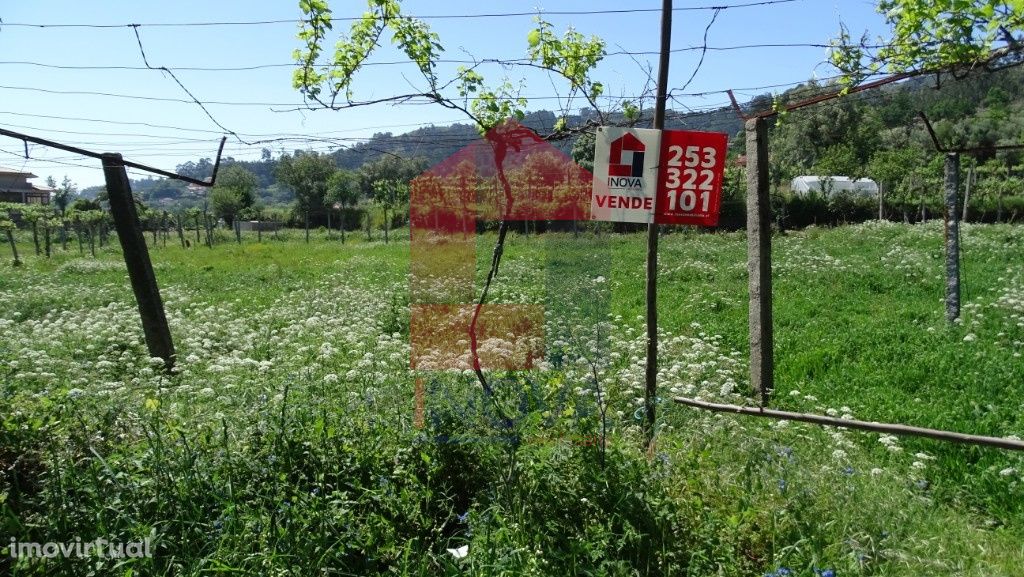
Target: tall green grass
[{"x": 285, "y": 445}]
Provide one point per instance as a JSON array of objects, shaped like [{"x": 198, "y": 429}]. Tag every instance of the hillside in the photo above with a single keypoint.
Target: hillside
[{"x": 874, "y": 134}]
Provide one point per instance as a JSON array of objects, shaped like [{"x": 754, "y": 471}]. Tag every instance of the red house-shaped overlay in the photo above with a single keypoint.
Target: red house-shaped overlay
[{"x": 510, "y": 174}]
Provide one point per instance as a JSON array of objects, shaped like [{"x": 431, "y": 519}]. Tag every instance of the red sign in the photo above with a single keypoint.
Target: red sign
[{"x": 690, "y": 173}]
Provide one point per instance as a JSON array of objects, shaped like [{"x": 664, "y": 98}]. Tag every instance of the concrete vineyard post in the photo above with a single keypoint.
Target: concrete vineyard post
[
  {"x": 881, "y": 201},
  {"x": 759, "y": 260},
  {"x": 952, "y": 189}
]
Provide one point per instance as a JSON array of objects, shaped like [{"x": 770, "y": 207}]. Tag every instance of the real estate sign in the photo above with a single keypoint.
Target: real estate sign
[
  {"x": 670, "y": 176},
  {"x": 625, "y": 174}
]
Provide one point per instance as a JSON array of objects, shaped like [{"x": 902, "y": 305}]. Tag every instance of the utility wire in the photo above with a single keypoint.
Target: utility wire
[
  {"x": 714, "y": 16},
  {"x": 499, "y": 61},
  {"x": 145, "y": 61},
  {"x": 165, "y": 141},
  {"x": 356, "y": 144},
  {"x": 421, "y": 17},
  {"x": 47, "y": 160},
  {"x": 446, "y": 122},
  {"x": 301, "y": 105}
]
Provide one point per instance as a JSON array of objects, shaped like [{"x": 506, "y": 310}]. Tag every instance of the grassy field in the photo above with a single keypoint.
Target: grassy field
[{"x": 285, "y": 444}]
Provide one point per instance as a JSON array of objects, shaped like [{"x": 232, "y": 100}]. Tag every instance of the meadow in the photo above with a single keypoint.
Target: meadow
[{"x": 285, "y": 442}]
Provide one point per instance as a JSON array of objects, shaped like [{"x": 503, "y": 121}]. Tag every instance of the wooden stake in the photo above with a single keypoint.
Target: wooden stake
[
  {"x": 136, "y": 257},
  {"x": 651, "y": 372},
  {"x": 14, "y": 247},
  {"x": 759, "y": 260},
  {"x": 181, "y": 229},
  {"x": 419, "y": 410},
  {"x": 967, "y": 192}
]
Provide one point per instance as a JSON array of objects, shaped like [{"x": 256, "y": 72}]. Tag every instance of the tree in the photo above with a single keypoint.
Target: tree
[
  {"x": 89, "y": 221},
  {"x": 389, "y": 193},
  {"x": 343, "y": 190},
  {"x": 63, "y": 194},
  {"x": 234, "y": 192},
  {"x": 195, "y": 215},
  {"x": 385, "y": 181},
  {"x": 62, "y": 197},
  {"x": 571, "y": 57},
  {"x": 583, "y": 151},
  {"x": 83, "y": 204},
  {"x": 34, "y": 214},
  {"x": 389, "y": 167},
  {"x": 163, "y": 188},
  {"x": 841, "y": 134},
  {"x": 306, "y": 174},
  {"x": 894, "y": 170},
  {"x": 198, "y": 170},
  {"x": 932, "y": 35},
  {"x": 7, "y": 227}
]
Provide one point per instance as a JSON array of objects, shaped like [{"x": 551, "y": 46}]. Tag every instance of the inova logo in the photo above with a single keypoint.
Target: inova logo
[{"x": 626, "y": 163}]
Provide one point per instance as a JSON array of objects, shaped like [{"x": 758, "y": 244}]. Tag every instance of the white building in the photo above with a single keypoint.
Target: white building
[{"x": 832, "y": 185}]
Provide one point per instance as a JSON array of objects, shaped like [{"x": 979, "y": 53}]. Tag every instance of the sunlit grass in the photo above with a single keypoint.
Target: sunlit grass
[{"x": 285, "y": 443}]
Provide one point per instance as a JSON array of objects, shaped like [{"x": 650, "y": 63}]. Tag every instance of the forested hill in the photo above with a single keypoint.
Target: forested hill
[
  {"x": 432, "y": 144},
  {"x": 876, "y": 133},
  {"x": 435, "y": 143},
  {"x": 879, "y": 134}
]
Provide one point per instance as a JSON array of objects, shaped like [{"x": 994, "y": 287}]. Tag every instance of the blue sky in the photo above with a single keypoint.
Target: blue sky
[{"x": 188, "y": 134}]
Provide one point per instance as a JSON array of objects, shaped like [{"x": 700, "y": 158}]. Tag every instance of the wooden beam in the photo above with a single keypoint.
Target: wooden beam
[
  {"x": 136, "y": 257},
  {"x": 903, "y": 430}
]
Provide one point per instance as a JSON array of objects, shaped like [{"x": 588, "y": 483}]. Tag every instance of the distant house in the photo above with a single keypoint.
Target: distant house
[
  {"x": 831, "y": 185},
  {"x": 15, "y": 187}
]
